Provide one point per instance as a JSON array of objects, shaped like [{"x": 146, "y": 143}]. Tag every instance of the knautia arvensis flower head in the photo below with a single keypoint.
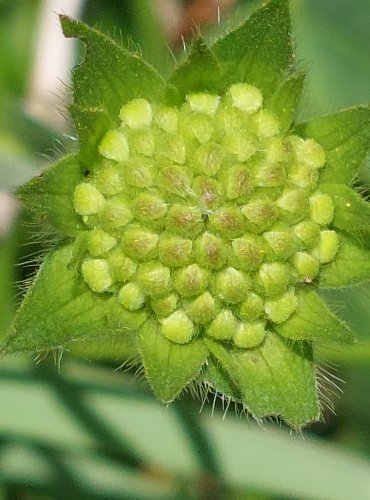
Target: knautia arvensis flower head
[{"x": 198, "y": 220}]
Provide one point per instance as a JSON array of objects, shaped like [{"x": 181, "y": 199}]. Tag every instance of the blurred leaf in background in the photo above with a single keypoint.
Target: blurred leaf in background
[{"x": 92, "y": 433}]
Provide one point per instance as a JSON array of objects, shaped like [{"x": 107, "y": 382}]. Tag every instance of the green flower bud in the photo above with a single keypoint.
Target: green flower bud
[
  {"x": 109, "y": 179},
  {"x": 209, "y": 192},
  {"x": 321, "y": 209},
  {"x": 303, "y": 176},
  {"x": 252, "y": 307},
  {"x": 282, "y": 243},
  {"x": 280, "y": 309},
  {"x": 241, "y": 144},
  {"x": 250, "y": 252},
  {"x": 209, "y": 158},
  {"x": 274, "y": 278},
  {"x": 202, "y": 309},
  {"x": 131, "y": 297},
  {"x": 142, "y": 142},
  {"x": 136, "y": 114},
  {"x": 308, "y": 152},
  {"x": 155, "y": 279},
  {"x": 306, "y": 266},
  {"x": 249, "y": 335},
  {"x": 149, "y": 207},
  {"x": 307, "y": 232},
  {"x": 293, "y": 204},
  {"x": 327, "y": 247},
  {"x": 174, "y": 180},
  {"x": 203, "y": 103},
  {"x": 139, "y": 244},
  {"x": 261, "y": 212},
  {"x": 210, "y": 251},
  {"x": 246, "y": 97},
  {"x": 178, "y": 327},
  {"x": 184, "y": 220},
  {"x": 138, "y": 172},
  {"x": 232, "y": 285},
  {"x": 100, "y": 242},
  {"x": 269, "y": 175},
  {"x": 164, "y": 306},
  {"x": 116, "y": 213},
  {"x": 223, "y": 327},
  {"x": 191, "y": 280},
  {"x": 97, "y": 274},
  {"x": 265, "y": 124},
  {"x": 123, "y": 268},
  {"x": 175, "y": 251},
  {"x": 166, "y": 119},
  {"x": 87, "y": 199},
  {"x": 114, "y": 146},
  {"x": 227, "y": 221}
]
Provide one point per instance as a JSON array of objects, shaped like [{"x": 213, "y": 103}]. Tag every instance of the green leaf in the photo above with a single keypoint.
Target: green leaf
[
  {"x": 220, "y": 381},
  {"x": 352, "y": 213},
  {"x": 50, "y": 195},
  {"x": 276, "y": 378},
  {"x": 108, "y": 77},
  {"x": 169, "y": 367},
  {"x": 314, "y": 321},
  {"x": 59, "y": 309},
  {"x": 350, "y": 267},
  {"x": 198, "y": 72},
  {"x": 285, "y": 100},
  {"x": 260, "y": 50},
  {"x": 345, "y": 136}
]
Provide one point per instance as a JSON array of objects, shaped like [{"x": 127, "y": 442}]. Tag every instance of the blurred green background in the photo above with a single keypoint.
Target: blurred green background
[{"x": 93, "y": 432}]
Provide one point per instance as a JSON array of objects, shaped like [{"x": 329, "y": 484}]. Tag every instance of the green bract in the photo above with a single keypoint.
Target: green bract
[{"x": 198, "y": 219}]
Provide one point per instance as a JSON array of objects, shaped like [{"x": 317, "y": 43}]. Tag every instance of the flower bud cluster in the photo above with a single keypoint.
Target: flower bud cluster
[{"x": 205, "y": 216}]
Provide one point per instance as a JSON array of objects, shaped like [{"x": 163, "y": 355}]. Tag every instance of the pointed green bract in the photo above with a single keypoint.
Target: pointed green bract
[
  {"x": 220, "y": 381},
  {"x": 345, "y": 136},
  {"x": 199, "y": 71},
  {"x": 108, "y": 77},
  {"x": 276, "y": 378},
  {"x": 350, "y": 267},
  {"x": 169, "y": 367},
  {"x": 60, "y": 308},
  {"x": 285, "y": 100},
  {"x": 352, "y": 213},
  {"x": 314, "y": 321},
  {"x": 50, "y": 195},
  {"x": 260, "y": 50}
]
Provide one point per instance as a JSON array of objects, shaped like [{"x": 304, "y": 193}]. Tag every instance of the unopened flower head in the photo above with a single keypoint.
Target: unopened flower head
[
  {"x": 199, "y": 218},
  {"x": 213, "y": 223}
]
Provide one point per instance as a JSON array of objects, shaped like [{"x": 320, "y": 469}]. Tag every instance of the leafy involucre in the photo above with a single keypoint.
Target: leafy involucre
[{"x": 48, "y": 320}]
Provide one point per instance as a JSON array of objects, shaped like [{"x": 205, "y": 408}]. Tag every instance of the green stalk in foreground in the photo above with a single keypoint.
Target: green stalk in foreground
[{"x": 198, "y": 220}]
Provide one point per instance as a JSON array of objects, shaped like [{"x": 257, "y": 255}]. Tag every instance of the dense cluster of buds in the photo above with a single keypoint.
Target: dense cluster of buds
[{"x": 206, "y": 216}]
